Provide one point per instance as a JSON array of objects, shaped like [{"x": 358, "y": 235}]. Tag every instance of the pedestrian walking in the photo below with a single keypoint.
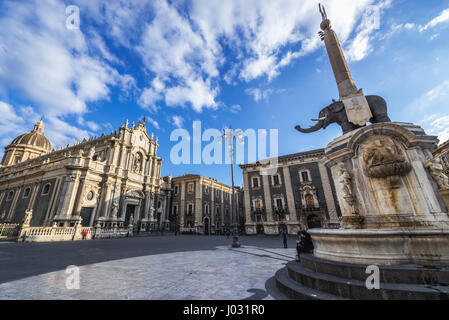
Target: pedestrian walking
[{"x": 84, "y": 234}]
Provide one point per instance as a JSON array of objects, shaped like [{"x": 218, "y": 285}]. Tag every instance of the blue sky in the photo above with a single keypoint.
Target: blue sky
[{"x": 247, "y": 63}]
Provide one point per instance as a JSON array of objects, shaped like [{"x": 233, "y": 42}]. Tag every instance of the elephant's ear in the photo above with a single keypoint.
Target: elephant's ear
[{"x": 337, "y": 107}]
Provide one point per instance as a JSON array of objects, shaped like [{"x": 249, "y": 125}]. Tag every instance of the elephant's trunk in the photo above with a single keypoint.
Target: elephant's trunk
[{"x": 314, "y": 128}]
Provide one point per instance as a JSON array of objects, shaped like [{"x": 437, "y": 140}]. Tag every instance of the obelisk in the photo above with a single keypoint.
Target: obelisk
[{"x": 356, "y": 105}]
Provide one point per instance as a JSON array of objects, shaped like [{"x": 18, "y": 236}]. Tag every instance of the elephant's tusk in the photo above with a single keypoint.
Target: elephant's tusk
[{"x": 319, "y": 119}]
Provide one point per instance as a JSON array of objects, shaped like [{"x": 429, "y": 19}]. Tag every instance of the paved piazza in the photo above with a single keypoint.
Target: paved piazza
[{"x": 192, "y": 267}]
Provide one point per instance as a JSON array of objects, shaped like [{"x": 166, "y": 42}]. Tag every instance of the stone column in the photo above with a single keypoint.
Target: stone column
[
  {"x": 14, "y": 203},
  {"x": 94, "y": 213},
  {"x": 198, "y": 205},
  {"x": 153, "y": 207},
  {"x": 122, "y": 157},
  {"x": 267, "y": 195},
  {"x": 147, "y": 205},
  {"x": 289, "y": 193},
  {"x": 79, "y": 201},
  {"x": 213, "y": 222},
  {"x": 182, "y": 204},
  {"x": 33, "y": 196},
  {"x": 67, "y": 198},
  {"x": 330, "y": 201},
  {"x": 250, "y": 225},
  {"x": 150, "y": 167},
  {"x": 47, "y": 220},
  {"x": 106, "y": 200}
]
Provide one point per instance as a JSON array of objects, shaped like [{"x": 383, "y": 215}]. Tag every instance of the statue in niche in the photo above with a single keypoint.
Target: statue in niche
[
  {"x": 114, "y": 209},
  {"x": 345, "y": 179},
  {"x": 436, "y": 171},
  {"x": 137, "y": 166}
]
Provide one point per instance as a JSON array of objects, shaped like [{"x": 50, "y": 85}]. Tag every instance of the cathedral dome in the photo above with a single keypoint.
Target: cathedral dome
[
  {"x": 27, "y": 146},
  {"x": 34, "y": 138}
]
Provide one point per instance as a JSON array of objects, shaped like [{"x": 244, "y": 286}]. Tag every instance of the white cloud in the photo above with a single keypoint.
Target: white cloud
[
  {"x": 184, "y": 50},
  {"x": 438, "y": 125},
  {"x": 8, "y": 115},
  {"x": 92, "y": 125},
  {"x": 177, "y": 121},
  {"x": 440, "y": 91},
  {"x": 262, "y": 94},
  {"x": 434, "y": 101},
  {"x": 153, "y": 122},
  {"x": 182, "y": 45},
  {"x": 13, "y": 124},
  {"x": 361, "y": 45},
  {"x": 236, "y": 108},
  {"x": 54, "y": 67},
  {"x": 441, "y": 18}
]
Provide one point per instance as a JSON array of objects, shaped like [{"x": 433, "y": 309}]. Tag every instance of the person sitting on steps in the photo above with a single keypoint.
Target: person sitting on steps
[{"x": 304, "y": 244}]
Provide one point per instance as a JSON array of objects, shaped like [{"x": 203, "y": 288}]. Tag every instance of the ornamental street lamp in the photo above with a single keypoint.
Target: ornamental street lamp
[{"x": 230, "y": 136}]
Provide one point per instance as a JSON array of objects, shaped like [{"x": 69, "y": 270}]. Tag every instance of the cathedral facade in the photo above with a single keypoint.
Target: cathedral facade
[{"x": 110, "y": 181}]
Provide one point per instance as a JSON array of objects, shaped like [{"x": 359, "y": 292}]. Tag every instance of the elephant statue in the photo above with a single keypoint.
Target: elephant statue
[{"x": 336, "y": 113}]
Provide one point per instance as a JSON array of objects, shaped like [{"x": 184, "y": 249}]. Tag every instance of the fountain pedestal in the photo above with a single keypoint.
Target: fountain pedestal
[{"x": 394, "y": 205}]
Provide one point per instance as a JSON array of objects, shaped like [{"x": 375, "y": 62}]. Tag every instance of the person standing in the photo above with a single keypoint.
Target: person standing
[{"x": 285, "y": 238}]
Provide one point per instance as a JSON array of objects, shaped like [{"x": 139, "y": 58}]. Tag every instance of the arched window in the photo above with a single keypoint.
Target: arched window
[
  {"x": 46, "y": 189},
  {"x": 26, "y": 193},
  {"x": 276, "y": 180},
  {"x": 10, "y": 195}
]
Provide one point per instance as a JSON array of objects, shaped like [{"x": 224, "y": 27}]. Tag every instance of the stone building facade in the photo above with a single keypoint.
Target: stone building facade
[
  {"x": 300, "y": 195},
  {"x": 107, "y": 181},
  {"x": 442, "y": 152},
  {"x": 202, "y": 205}
]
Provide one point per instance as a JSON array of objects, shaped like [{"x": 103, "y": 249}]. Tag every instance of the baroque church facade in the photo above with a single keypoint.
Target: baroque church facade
[{"x": 110, "y": 181}]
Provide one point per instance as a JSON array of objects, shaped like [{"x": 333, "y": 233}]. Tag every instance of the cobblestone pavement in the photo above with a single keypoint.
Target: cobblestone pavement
[{"x": 197, "y": 268}]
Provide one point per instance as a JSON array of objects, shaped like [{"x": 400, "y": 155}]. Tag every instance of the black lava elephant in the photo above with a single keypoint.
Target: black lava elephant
[{"x": 335, "y": 113}]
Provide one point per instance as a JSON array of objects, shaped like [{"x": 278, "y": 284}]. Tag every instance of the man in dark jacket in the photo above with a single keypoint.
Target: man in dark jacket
[
  {"x": 304, "y": 244},
  {"x": 284, "y": 237}
]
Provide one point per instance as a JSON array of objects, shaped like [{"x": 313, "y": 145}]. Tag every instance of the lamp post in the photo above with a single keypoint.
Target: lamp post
[{"x": 230, "y": 136}]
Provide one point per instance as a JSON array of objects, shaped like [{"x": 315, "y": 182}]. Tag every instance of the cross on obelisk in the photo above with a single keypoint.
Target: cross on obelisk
[{"x": 357, "y": 108}]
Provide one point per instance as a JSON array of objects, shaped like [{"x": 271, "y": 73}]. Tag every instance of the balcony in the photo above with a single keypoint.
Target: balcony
[
  {"x": 281, "y": 210},
  {"x": 312, "y": 209},
  {"x": 258, "y": 211}
]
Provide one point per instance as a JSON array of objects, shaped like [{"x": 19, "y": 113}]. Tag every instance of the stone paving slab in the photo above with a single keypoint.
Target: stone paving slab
[{"x": 222, "y": 273}]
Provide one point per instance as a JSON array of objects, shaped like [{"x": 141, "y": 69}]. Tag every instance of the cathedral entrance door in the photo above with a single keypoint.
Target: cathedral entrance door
[
  {"x": 130, "y": 210},
  {"x": 86, "y": 214}
]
